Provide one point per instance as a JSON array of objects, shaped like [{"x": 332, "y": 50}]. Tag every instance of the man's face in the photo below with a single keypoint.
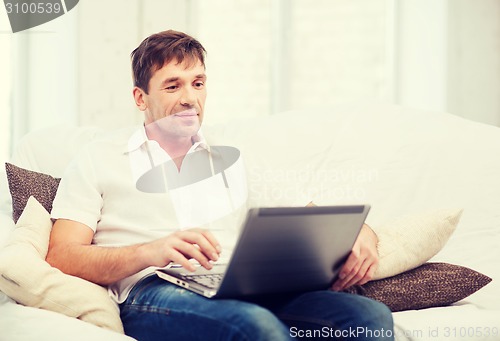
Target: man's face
[{"x": 176, "y": 98}]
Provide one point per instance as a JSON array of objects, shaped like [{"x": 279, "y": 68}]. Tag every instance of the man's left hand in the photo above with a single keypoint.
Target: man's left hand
[{"x": 361, "y": 263}]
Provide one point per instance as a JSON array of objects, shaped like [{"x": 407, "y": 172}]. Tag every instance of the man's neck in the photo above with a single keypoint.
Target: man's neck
[{"x": 175, "y": 146}]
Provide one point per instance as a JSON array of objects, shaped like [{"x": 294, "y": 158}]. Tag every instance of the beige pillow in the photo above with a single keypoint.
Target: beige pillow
[
  {"x": 410, "y": 241},
  {"x": 27, "y": 278}
]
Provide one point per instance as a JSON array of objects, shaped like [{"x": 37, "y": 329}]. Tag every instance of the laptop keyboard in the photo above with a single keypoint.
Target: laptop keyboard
[{"x": 209, "y": 280}]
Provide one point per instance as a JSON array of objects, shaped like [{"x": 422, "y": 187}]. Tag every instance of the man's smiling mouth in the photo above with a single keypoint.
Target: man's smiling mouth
[{"x": 187, "y": 113}]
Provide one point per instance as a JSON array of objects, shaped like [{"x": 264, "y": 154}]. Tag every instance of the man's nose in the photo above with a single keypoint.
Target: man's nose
[{"x": 188, "y": 97}]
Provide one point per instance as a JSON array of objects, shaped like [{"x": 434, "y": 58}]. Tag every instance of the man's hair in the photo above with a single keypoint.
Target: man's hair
[{"x": 161, "y": 48}]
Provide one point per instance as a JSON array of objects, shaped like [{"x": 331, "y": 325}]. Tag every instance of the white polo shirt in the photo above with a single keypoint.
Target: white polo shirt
[{"x": 99, "y": 189}]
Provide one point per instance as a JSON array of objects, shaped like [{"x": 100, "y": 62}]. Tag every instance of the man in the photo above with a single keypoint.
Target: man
[{"x": 109, "y": 232}]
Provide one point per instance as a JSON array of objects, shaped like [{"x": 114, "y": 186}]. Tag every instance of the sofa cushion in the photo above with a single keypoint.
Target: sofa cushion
[
  {"x": 429, "y": 285},
  {"x": 24, "y": 183},
  {"x": 27, "y": 278},
  {"x": 409, "y": 241}
]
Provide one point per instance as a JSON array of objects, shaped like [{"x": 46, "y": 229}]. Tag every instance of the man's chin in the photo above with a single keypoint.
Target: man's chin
[{"x": 186, "y": 130}]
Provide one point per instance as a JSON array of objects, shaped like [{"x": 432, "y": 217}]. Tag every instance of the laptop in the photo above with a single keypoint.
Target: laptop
[{"x": 279, "y": 250}]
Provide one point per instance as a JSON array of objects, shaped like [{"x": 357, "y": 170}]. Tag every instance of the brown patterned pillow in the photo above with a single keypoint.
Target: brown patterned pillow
[
  {"x": 429, "y": 285},
  {"x": 24, "y": 183}
]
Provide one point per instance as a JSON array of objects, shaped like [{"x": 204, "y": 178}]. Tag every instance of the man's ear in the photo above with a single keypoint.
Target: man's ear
[{"x": 140, "y": 98}]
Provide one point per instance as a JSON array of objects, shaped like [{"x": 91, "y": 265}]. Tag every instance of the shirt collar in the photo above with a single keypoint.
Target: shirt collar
[{"x": 139, "y": 138}]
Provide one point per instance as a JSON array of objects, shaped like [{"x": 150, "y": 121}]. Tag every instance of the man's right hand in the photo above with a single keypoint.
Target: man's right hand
[{"x": 181, "y": 246}]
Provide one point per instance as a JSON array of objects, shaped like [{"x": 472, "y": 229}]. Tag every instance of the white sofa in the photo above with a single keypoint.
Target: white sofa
[{"x": 399, "y": 160}]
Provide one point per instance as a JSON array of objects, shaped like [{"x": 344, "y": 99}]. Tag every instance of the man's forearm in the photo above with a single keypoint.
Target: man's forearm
[{"x": 101, "y": 265}]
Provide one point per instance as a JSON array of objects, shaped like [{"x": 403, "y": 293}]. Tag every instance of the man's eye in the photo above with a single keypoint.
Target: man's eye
[
  {"x": 199, "y": 84},
  {"x": 171, "y": 88}
]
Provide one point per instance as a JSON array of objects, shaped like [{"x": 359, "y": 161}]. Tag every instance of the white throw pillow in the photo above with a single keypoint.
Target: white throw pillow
[
  {"x": 27, "y": 278},
  {"x": 410, "y": 241}
]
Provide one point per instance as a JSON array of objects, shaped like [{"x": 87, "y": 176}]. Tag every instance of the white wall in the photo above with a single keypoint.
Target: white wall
[
  {"x": 44, "y": 76},
  {"x": 267, "y": 56},
  {"x": 338, "y": 52},
  {"x": 108, "y": 32},
  {"x": 238, "y": 38},
  {"x": 474, "y": 60},
  {"x": 421, "y": 53},
  {"x": 447, "y": 57},
  {"x": 5, "y": 86},
  {"x": 39, "y": 78},
  {"x": 264, "y": 56}
]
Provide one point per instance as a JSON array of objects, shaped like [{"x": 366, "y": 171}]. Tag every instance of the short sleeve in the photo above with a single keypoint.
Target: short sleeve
[{"x": 79, "y": 197}]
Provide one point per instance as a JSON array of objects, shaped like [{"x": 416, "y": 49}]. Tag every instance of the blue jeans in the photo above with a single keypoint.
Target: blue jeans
[{"x": 156, "y": 310}]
